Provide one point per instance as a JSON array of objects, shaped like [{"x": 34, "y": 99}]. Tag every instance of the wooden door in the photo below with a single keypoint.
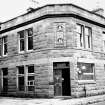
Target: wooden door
[{"x": 58, "y": 82}]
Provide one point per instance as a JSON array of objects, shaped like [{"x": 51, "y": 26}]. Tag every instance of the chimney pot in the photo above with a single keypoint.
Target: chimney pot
[{"x": 99, "y": 11}]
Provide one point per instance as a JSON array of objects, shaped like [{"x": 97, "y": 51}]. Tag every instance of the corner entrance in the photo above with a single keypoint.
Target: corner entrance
[{"x": 62, "y": 79}]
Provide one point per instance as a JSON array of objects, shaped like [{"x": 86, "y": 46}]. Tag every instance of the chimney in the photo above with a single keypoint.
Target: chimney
[
  {"x": 30, "y": 9},
  {"x": 99, "y": 11}
]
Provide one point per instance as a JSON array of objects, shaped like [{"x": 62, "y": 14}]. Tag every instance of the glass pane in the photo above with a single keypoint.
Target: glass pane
[
  {"x": 21, "y": 34},
  {"x": 5, "y": 71},
  {"x": 22, "y": 45},
  {"x": 21, "y": 83},
  {"x": 21, "y": 70},
  {"x": 0, "y": 50},
  {"x": 30, "y": 88},
  {"x": 30, "y": 32},
  {"x": 85, "y": 77},
  {"x": 30, "y": 69},
  {"x": 86, "y": 31},
  {"x": 30, "y": 78},
  {"x": 5, "y": 49},
  {"x": 5, "y": 39},
  {"x": 79, "y": 28},
  {"x": 85, "y": 68},
  {"x": 30, "y": 43}
]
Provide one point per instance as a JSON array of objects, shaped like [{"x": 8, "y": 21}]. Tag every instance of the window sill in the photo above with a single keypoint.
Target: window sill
[
  {"x": 4, "y": 56},
  {"x": 86, "y": 81},
  {"x": 29, "y": 50},
  {"x": 85, "y": 49},
  {"x": 21, "y": 52}
]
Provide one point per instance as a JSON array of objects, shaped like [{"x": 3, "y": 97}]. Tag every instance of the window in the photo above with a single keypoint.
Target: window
[
  {"x": 26, "y": 78},
  {"x": 21, "y": 41},
  {"x": 30, "y": 81},
  {"x": 84, "y": 36},
  {"x": 5, "y": 45},
  {"x": 103, "y": 41},
  {"x": 0, "y": 46},
  {"x": 85, "y": 71},
  {"x": 30, "y": 39},
  {"x": 80, "y": 37},
  {"x": 88, "y": 32},
  {"x": 25, "y": 40},
  {"x": 21, "y": 78}
]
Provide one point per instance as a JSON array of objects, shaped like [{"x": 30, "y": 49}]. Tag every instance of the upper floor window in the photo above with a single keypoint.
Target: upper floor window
[
  {"x": 21, "y": 41},
  {"x": 80, "y": 37},
  {"x": 3, "y": 46},
  {"x": 30, "y": 39},
  {"x": 0, "y": 46},
  {"x": 84, "y": 36},
  {"x": 25, "y": 40},
  {"x": 103, "y": 41},
  {"x": 88, "y": 33}
]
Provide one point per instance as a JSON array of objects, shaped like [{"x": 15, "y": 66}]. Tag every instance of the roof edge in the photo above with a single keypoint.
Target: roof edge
[{"x": 36, "y": 9}]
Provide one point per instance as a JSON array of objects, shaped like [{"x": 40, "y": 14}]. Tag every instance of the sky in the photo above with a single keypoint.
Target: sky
[{"x": 13, "y": 8}]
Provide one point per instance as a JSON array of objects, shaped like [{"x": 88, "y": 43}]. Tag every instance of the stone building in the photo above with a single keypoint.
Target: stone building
[{"x": 54, "y": 50}]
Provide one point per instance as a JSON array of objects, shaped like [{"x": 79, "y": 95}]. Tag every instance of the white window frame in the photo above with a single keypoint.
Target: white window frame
[
  {"x": 88, "y": 37},
  {"x": 30, "y": 74},
  {"x": 1, "y": 47},
  {"x": 4, "y": 44},
  {"x": 103, "y": 39},
  {"x": 26, "y": 74},
  {"x": 80, "y": 33},
  {"x": 26, "y": 33},
  {"x": 80, "y": 71},
  {"x": 19, "y": 39},
  {"x": 20, "y": 75}
]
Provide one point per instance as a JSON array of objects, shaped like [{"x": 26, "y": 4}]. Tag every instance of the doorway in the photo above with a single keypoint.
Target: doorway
[{"x": 62, "y": 79}]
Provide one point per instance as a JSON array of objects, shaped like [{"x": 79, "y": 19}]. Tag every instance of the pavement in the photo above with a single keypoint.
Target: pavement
[{"x": 93, "y": 100}]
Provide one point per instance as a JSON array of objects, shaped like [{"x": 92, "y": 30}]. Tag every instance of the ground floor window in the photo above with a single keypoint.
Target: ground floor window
[
  {"x": 85, "y": 71},
  {"x": 21, "y": 80},
  {"x": 26, "y": 78},
  {"x": 31, "y": 79}
]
